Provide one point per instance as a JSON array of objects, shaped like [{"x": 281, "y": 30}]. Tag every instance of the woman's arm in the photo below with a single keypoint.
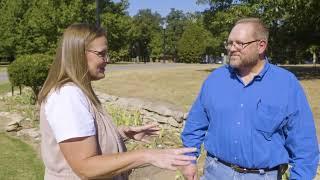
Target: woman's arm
[{"x": 82, "y": 156}]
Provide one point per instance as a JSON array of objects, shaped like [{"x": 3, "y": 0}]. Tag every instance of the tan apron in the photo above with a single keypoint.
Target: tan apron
[{"x": 108, "y": 138}]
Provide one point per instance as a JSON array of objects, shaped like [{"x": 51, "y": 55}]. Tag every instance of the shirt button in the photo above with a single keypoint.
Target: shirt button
[
  {"x": 236, "y": 142},
  {"x": 235, "y": 158},
  {"x": 238, "y": 123},
  {"x": 241, "y": 105}
]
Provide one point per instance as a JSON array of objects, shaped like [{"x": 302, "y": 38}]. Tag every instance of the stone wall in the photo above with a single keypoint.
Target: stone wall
[
  {"x": 165, "y": 114},
  {"x": 162, "y": 113}
]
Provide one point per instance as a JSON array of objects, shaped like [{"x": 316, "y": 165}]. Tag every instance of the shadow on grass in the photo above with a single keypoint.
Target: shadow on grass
[
  {"x": 207, "y": 70},
  {"x": 302, "y": 72}
]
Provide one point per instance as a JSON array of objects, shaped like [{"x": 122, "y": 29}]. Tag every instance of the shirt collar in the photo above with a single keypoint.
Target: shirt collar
[
  {"x": 265, "y": 68},
  {"x": 260, "y": 75}
]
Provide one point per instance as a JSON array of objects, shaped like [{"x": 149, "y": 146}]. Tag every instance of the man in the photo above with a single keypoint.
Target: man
[{"x": 253, "y": 117}]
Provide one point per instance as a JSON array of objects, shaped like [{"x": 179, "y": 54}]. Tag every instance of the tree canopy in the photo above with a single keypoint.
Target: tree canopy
[
  {"x": 32, "y": 26},
  {"x": 293, "y": 24}
]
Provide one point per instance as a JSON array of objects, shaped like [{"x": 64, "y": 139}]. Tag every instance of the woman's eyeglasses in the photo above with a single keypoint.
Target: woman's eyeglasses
[{"x": 102, "y": 54}]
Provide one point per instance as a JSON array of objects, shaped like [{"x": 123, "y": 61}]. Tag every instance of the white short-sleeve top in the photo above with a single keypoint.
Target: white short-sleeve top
[{"x": 68, "y": 113}]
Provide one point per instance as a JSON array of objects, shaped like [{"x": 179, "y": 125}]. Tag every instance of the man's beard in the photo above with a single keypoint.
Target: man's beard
[{"x": 244, "y": 62}]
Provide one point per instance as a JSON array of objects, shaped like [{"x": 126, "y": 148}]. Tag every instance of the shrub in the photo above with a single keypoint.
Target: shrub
[
  {"x": 30, "y": 70},
  {"x": 195, "y": 42}
]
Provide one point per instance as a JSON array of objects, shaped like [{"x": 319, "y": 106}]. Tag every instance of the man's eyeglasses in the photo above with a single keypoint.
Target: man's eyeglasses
[
  {"x": 102, "y": 54},
  {"x": 238, "y": 45}
]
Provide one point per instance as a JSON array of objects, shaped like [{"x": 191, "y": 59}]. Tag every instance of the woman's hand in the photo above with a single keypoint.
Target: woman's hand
[
  {"x": 171, "y": 159},
  {"x": 139, "y": 133}
]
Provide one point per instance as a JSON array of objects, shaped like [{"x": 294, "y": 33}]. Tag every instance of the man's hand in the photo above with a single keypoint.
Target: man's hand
[
  {"x": 189, "y": 172},
  {"x": 139, "y": 133}
]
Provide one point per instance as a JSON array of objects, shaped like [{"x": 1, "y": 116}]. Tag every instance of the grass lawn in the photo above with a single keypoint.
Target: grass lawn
[
  {"x": 178, "y": 85},
  {"x": 18, "y": 160},
  {"x": 181, "y": 85}
]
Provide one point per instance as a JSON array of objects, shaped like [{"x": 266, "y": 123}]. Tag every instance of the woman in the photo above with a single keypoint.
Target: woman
[{"x": 79, "y": 140}]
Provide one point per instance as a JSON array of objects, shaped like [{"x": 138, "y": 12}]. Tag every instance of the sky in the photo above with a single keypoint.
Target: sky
[{"x": 163, "y": 6}]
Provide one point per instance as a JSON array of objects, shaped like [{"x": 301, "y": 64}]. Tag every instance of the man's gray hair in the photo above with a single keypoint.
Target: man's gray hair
[{"x": 260, "y": 29}]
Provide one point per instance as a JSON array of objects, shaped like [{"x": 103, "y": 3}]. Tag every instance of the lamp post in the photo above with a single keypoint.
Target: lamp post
[
  {"x": 174, "y": 45},
  {"x": 97, "y": 13},
  {"x": 164, "y": 26}
]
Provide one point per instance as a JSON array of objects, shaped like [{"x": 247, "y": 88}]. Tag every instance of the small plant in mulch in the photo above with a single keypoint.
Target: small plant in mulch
[
  {"x": 167, "y": 138},
  {"x": 123, "y": 117},
  {"x": 23, "y": 105}
]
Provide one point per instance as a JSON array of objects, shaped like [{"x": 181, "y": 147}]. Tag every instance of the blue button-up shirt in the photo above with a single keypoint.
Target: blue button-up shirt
[{"x": 263, "y": 124}]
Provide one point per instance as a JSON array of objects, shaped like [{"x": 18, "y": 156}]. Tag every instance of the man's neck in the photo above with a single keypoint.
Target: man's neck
[{"x": 248, "y": 73}]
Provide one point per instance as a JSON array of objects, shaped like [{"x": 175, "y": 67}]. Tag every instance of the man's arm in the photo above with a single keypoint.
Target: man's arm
[
  {"x": 301, "y": 140},
  {"x": 197, "y": 123},
  {"x": 194, "y": 132}
]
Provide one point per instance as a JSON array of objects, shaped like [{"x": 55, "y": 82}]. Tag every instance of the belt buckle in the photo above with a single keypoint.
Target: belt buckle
[{"x": 239, "y": 169}]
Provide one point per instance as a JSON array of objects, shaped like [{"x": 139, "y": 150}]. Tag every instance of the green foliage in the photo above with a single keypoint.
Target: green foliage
[
  {"x": 30, "y": 70},
  {"x": 45, "y": 21},
  {"x": 32, "y": 26},
  {"x": 24, "y": 104},
  {"x": 194, "y": 43},
  {"x": 146, "y": 25},
  {"x": 123, "y": 117},
  {"x": 167, "y": 138},
  {"x": 294, "y": 25},
  {"x": 118, "y": 28},
  {"x": 156, "y": 46},
  {"x": 176, "y": 22},
  {"x": 12, "y": 12}
]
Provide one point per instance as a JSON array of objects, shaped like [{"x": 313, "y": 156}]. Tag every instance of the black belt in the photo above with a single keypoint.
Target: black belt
[{"x": 245, "y": 170}]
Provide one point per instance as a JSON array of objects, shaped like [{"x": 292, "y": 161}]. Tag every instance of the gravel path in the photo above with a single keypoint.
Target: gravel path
[{"x": 3, "y": 76}]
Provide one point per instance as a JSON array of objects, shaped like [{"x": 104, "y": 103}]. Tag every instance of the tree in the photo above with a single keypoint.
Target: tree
[
  {"x": 220, "y": 19},
  {"x": 294, "y": 25},
  {"x": 118, "y": 34},
  {"x": 30, "y": 70},
  {"x": 12, "y": 13},
  {"x": 176, "y": 22},
  {"x": 145, "y": 25},
  {"x": 156, "y": 46},
  {"x": 195, "y": 42},
  {"x": 34, "y": 26},
  {"x": 45, "y": 21}
]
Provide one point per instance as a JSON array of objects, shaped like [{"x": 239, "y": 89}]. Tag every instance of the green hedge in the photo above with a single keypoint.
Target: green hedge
[{"x": 30, "y": 70}]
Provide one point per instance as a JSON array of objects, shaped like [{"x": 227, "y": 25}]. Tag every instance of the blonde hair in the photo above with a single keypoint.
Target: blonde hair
[
  {"x": 260, "y": 29},
  {"x": 70, "y": 64}
]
